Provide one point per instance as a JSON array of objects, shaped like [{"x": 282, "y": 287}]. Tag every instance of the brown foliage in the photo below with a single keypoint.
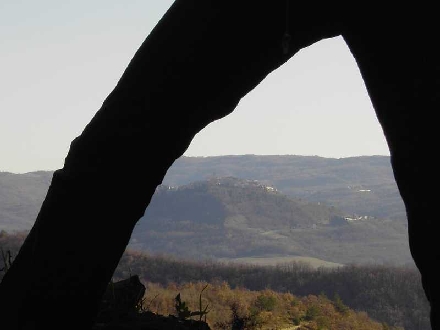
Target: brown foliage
[{"x": 256, "y": 309}]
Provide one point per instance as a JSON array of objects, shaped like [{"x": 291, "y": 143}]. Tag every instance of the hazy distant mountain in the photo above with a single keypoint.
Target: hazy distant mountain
[
  {"x": 235, "y": 218},
  {"x": 358, "y": 185},
  {"x": 362, "y": 186},
  {"x": 283, "y": 218},
  {"x": 21, "y": 196}
]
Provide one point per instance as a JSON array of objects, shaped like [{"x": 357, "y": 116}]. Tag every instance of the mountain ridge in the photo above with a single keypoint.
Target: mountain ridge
[
  {"x": 351, "y": 189},
  {"x": 363, "y": 185},
  {"x": 232, "y": 218}
]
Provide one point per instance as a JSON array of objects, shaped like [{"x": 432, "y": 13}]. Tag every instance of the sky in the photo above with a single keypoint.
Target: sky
[{"x": 60, "y": 59}]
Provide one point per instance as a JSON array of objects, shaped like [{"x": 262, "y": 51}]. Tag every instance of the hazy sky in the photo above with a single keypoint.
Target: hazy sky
[{"x": 60, "y": 59}]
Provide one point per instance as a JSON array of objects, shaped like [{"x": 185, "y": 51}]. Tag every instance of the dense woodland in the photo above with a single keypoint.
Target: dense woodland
[
  {"x": 388, "y": 294},
  {"x": 240, "y": 308}
]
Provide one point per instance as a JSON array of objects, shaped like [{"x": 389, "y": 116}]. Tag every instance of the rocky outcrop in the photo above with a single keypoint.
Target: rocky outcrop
[{"x": 121, "y": 309}]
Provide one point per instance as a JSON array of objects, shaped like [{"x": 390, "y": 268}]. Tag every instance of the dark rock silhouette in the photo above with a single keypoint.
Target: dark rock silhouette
[
  {"x": 195, "y": 66},
  {"x": 121, "y": 300}
]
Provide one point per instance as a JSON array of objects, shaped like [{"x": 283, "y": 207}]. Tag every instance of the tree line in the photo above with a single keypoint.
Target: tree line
[{"x": 389, "y": 294}]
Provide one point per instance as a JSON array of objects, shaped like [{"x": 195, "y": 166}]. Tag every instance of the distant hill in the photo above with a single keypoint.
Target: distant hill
[
  {"x": 235, "y": 219},
  {"x": 21, "y": 196},
  {"x": 242, "y": 207},
  {"x": 358, "y": 185}
]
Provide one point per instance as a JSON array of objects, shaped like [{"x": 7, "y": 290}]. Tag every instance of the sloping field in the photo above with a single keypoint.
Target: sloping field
[{"x": 277, "y": 260}]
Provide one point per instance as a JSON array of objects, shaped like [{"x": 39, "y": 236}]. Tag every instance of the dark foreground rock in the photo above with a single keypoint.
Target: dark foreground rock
[
  {"x": 121, "y": 309},
  {"x": 152, "y": 321}
]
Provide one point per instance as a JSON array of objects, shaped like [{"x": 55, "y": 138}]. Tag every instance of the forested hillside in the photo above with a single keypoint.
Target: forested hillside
[
  {"x": 389, "y": 294},
  {"x": 240, "y": 308},
  {"x": 358, "y": 185},
  {"x": 230, "y": 218},
  {"x": 361, "y": 186}
]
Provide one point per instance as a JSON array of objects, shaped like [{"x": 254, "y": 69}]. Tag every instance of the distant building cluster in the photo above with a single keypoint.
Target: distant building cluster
[
  {"x": 358, "y": 218},
  {"x": 242, "y": 183},
  {"x": 359, "y": 188}
]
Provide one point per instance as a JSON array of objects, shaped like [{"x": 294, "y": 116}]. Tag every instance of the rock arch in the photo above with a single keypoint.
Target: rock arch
[{"x": 200, "y": 59}]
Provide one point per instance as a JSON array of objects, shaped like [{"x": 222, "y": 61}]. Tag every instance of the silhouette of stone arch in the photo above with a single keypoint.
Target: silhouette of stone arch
[{"x": 195, "y": 66}]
